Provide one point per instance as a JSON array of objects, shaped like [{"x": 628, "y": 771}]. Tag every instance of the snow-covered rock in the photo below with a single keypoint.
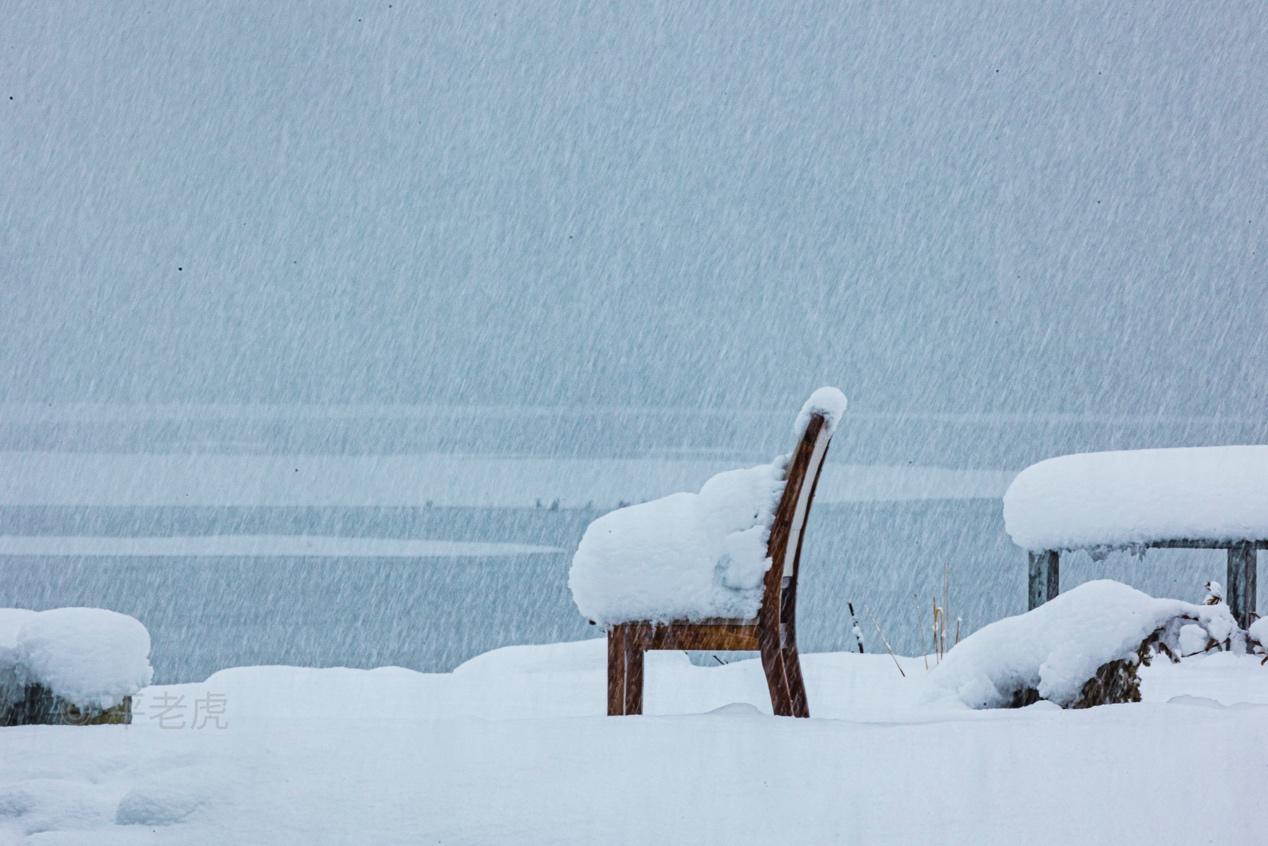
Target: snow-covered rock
[
  {"x": 89, "y": 657},
  {"x": 1113, "y": 499},
  {"x": 1055, "y": 648}
]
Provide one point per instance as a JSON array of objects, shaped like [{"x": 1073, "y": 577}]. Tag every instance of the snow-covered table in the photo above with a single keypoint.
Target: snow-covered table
[{"x": 1193, "y": 498}]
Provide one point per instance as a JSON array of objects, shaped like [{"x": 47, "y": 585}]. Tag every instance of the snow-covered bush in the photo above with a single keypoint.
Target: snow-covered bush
[
  {"x": 1257, "y": 638},
  {"x": 1079, "y": 649}
]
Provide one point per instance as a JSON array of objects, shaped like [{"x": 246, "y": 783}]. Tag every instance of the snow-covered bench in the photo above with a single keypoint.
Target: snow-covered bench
[
  {"x": 694, "y": 571},
  {"x": 1194, "y": 498}
]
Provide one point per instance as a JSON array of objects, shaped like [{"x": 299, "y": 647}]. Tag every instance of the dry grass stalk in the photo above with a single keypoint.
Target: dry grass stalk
[
  {"x": 940, "y": 620},
  {"x": 888, "y": 648}
]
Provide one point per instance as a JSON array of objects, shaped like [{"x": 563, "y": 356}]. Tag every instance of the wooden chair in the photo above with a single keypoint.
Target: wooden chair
[{"x": 773, "y": 632}]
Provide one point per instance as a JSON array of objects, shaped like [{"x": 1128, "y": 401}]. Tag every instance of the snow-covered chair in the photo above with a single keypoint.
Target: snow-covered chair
[
  {"x": 710, "y": 571},
  {"x": 1191, "y": 498}
]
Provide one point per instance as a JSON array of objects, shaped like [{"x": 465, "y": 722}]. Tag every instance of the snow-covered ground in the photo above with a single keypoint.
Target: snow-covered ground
[{"x": 512, "y": 747}]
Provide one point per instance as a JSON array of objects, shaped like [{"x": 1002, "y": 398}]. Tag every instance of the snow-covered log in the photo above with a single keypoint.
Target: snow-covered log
[
  {"x": 1082, "y": 648},
  {"x": 70, "y": 665}
]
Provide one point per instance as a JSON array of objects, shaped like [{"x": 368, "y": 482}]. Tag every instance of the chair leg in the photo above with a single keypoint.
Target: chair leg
[
  {"x": 616, "y": 671},
  {"x": 800, "y": 707},
  {"x": 634, "y": 647},
  {"x": 776, "y": 679}
]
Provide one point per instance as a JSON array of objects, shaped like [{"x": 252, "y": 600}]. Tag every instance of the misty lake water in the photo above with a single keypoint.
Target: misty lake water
[
  {"x": 907, "y": 502},
  {"x": 432, "y": 613}
]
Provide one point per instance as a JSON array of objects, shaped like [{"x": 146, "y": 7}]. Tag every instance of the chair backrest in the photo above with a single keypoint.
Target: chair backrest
[{"x": 789, "y": 526}]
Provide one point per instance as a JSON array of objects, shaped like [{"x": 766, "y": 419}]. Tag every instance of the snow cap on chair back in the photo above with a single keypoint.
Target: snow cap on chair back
[{"x": 829, "y": 402}]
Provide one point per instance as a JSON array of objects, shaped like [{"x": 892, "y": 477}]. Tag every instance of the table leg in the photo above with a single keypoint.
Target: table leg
[
  {"x": 1045, "y": 577},
  {"x": 1242, "y": 582}
]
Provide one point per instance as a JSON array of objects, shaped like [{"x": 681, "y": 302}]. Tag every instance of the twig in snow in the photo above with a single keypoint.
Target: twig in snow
[{"x": 888, "y": 648}]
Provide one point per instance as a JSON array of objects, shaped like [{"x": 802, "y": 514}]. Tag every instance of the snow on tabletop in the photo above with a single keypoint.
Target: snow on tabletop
[
  {"x": 89, "y": 656},
  {"x": 1058, "y": 646},
  {"x": 683, "y": 556},
  {"x": 829, "y": 402},
  {"x": 1118, "y": 499}
]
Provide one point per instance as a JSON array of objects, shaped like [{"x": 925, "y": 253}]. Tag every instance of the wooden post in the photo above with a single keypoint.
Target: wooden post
[
  {"x": 1242, "y": 582},
  {"x": 1045, "y": 577}
]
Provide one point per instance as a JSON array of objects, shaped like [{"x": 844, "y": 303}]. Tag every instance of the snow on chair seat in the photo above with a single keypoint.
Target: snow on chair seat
[
  {"x": 710, "y": 570},
  {"x": 1199, "y": 497}
]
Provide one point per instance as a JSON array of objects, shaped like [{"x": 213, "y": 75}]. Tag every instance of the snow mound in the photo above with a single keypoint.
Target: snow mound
[
  {"x": 1116, "y": 499},
  {"x": 583, "y": 656},
  {"x": 683, "y": 556},
  {"x": 829, "y": 402},
  {"x": 575, "y": 656},
  {"x": 1058, "y": 646},
  {"x": 161, "y": 803},
  {"x": 88, "y": 656}
]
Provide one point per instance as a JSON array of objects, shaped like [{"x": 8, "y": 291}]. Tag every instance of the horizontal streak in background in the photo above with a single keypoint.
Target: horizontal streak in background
[
  {"x": 258, "y": 546},
  {"x": 93, "y": 479},
  {"x": 740, "y": 436},
  {"x": 93, "y": 412}
]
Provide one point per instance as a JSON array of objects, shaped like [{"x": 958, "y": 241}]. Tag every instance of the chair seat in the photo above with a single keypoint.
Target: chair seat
[{"x": 725, "y": 635}]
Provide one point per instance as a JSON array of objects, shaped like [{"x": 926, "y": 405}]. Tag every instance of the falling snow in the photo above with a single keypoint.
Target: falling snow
[{"x": 327, "y": 329}]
